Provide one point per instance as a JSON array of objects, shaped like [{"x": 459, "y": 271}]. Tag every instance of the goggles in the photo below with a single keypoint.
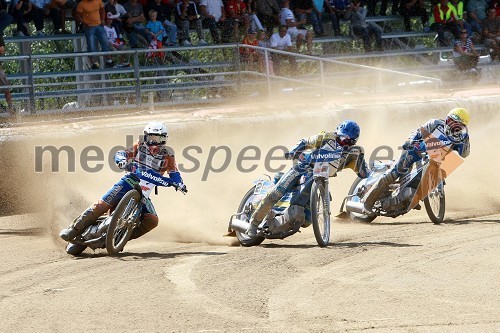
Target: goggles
[
  {"x": 345, "y": 140},
  {"x": 155, "y": 139}
]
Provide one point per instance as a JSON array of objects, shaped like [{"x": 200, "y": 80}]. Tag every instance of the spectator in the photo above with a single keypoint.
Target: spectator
[
  {"x": 118, "y": 13},
  {"x": 299, "y": 35},
  {"x": 443, "y": 17},
  {"x": 236, "y": 18},
  {"x": 134, "y": 23},
  {"x": 461, "y": 15},
  {"x": 491, "y": 33},
  {"x": 5, "y": 82},
  {"x": 465, "y": 55},
  {"x": 335, "y": 11},
  {"x": 90, "y": 13},
  {"x": 252, "y": 16},
  {"x": 155, "y": 30},
  {"x": 306, "y": 11},
  {"x": 371, "y": 4},
  {"x": 476, "y": 14},
  {"x": 263, "y": 41},
  {"x": 268, "y": 13},
  {"x": 58, "y": 9},
  {"x": 213, "y": 16},
  {"x": 5, "y": 18},
  {"x": 248, "y": 55},
  {"x": 356, "y": 13},
  {"x": 187, "y": 16},
  {"x": 115, "y": 42},
  {"x": 282, "y": 41},
  {"x": 164, "y": 13},
  {"x": 411, "y": 8},
  {"x": 24, "y": 11}
]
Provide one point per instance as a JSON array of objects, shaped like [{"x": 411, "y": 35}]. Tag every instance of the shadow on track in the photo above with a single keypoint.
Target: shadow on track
[
  {"x": 333, "y": 245},
  {"x": 125, "y": 256}
]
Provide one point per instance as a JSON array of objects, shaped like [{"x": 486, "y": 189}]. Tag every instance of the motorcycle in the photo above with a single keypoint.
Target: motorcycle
[
  {"x": 112, "y": 231},
  {"x": 424, "y": 183},
  {"x": 285, "y": 219}
]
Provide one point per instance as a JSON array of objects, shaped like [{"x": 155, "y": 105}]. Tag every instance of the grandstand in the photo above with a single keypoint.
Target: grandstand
[{"x": 203, "y": 74}]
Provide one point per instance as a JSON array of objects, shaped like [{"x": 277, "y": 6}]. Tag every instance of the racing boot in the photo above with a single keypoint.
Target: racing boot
[
  {"x": 393, "y": 203},
  {"x": 84, "y": 221},
  {"x": 378, "y": 188}
]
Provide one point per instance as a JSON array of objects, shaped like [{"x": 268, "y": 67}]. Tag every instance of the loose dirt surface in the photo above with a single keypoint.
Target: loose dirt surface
[{"x": 393, "y": 275}]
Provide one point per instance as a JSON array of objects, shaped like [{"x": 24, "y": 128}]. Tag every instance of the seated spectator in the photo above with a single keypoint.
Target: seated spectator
[
  {"x": 411, "y": 8},
  {"x": 57, "y": 9},
  {"x": 263, "y": 41},
  {"x": 371, "y": 7},
  {"x": 335, "y": 11},
  {"x": 491, "y": 33},
  {"x": 306, "y": 10},
  {"x": 5, "y": 82},
  {"x": 164, "y": 13},
  {"x": 24, "y": 11},
  {"x": 465, "y": 55},
  {"x": 356, "y": 13},
  {"x": 267, "y": 11},
  {"x": 282, "y": 41},
  {"x": 476, "y": 14},
  {"x": 115, "y": 42},
  {"x": 118, "y": 13},
  {"x": 252, "y": 16},
  {"x": 213, "y": 16},
  {"x": 236, "y": 18},
  {"x": 187, "y": 16},
  {"x": 299, "y": 35},
  {"x": 250, "y": 56},
  {"x": 443, "y": 18},
  {"x": 134, "y": 23},
  {"x": 5, "y": 18}
]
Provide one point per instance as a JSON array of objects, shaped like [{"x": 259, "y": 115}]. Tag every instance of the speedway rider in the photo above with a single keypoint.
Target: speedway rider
[
  {"x": 453, "y": 135},
  {"x": 344, "y": 137},
  {"x": 149, "y": 152}
]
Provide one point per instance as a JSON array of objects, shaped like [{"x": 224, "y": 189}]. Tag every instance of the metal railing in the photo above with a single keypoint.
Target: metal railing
[{"x": 191, "y": 75}]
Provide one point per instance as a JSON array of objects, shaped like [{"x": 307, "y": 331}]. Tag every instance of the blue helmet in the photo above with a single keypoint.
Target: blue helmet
[{"x": 347, "y": 133}]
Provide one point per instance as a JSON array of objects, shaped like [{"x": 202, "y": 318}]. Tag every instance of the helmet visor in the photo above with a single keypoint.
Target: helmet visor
[{"x": 155, "y": 139}]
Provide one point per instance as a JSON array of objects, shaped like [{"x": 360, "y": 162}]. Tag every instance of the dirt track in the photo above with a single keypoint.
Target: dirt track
[{"x": 398, "y": 275}]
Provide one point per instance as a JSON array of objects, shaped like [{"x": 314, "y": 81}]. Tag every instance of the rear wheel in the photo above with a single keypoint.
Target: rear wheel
[
  {"x": 122, "y": 222},
  {"x": 320, "y": 212},
  {"x": 357, "y": 216},
  {"x": 243, "y": 238}
]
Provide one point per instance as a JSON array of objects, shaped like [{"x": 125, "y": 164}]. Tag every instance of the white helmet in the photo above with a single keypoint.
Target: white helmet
[{"x": 155, "y": 133}]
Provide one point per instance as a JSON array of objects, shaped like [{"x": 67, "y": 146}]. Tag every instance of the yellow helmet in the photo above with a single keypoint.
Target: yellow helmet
[{"x": 460, "y": 115}]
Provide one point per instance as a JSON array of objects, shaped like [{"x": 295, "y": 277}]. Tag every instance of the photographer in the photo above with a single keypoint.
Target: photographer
[{"x": 356, "y": 13}]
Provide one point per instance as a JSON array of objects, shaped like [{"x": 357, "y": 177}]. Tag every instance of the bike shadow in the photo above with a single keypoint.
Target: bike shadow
[
  {"x": 371, "y": 244},
  {"x": 469, "y": 221},
  {"x": 23, "y": 232},
  {"x": 340, "y": 245},
  {"x": 147, "y": 255}
]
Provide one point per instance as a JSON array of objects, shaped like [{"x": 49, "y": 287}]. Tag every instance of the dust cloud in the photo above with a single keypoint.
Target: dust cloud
[{"x": 202, "y": 215}]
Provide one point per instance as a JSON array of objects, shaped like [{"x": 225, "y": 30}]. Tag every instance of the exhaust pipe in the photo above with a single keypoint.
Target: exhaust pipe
[
  {"x": 239, "y": 225},
  {"x": 356, "y": 207}
]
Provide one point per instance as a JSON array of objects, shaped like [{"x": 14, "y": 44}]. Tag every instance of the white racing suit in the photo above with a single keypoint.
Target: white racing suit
[
  {"x": 352, "y": 158},
  {"x": 158, "y": 158},
  {"x": 435, "y": 138}
]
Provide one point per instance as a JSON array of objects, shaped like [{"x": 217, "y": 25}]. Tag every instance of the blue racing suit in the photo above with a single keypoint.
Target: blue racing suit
[{"x": 352, "y": 157}]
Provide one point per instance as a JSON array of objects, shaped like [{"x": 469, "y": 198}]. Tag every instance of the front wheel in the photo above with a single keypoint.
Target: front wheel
[
  {"x": 435, "y": 204},
  {"x": 122, "y": 222},
  {"x": 243, "y": 238},
  {"x": 320, "y": 212}
]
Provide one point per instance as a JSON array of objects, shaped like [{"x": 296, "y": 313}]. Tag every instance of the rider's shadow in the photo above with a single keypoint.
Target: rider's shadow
[{"x": 125, "y": 256}]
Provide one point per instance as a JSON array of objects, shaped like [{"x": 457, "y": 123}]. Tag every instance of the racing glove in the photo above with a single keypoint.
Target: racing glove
[{"x": 181, "y": 187}]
